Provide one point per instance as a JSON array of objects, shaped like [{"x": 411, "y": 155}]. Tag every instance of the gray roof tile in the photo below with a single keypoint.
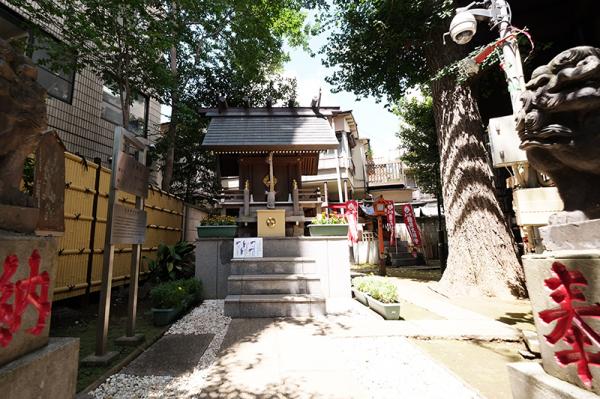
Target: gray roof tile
[{"x": 270, "y": 133}]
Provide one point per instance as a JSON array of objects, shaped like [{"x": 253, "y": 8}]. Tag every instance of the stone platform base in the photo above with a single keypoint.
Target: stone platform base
[
  {"x": 528, "y": 380},
  {"x": 49, "y": 372}
]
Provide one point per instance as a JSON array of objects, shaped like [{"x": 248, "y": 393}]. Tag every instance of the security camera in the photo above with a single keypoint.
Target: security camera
[{"x": 463, "y": 27}]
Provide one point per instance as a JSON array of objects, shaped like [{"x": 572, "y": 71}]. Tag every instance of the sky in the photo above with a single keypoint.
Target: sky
[{"x": 373, "y": 119}]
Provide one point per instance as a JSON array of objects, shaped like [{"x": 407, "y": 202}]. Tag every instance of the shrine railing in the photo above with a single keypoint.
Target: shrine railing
[{"x": 300, "y": 198}]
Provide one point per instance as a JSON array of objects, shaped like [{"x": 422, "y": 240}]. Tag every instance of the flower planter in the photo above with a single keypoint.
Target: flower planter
[
  {"x": 162, "y": 317},
  {"x": 324, "y": 230},
  {"x": 389, "y": 311},
  {"x": 360, "y": 296},
  {"x": 223, "y": 231}
]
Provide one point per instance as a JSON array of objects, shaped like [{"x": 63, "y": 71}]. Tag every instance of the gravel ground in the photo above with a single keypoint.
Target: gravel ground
[{"x": 207, "y": 318}]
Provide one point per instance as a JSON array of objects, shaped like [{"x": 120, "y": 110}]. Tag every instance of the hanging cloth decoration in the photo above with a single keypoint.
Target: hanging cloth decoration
[
  {"x": 390, "y": 214},
  {"x": 352, "y": 218},
  {"x": 350, "y": 210},
  {"x": 410, "y": 221}
]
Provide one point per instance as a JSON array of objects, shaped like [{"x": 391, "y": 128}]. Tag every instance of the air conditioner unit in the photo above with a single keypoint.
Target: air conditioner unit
[{"x": 533, "y": 206}]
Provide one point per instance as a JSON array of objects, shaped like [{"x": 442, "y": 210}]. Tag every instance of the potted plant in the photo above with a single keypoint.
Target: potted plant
[
  {"x": 360, "y": 288},
  {"x": 167, "y": 301},
  {"x": 217, "y": 226},
  {"x": 383, "y": 299},
  {"x": 334, "y": 225},
  {"x": 380, "y": 294}
]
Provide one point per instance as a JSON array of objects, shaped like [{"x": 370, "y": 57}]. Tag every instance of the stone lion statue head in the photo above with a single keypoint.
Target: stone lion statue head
[
  {"x": 23, "y": 119},
  {"x": 559, "y": 126}
]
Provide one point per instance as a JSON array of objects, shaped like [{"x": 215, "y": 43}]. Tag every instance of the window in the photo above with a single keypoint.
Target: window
[
  {"x": 138, "y": 111},
  {"x": 58, "y": 81}
]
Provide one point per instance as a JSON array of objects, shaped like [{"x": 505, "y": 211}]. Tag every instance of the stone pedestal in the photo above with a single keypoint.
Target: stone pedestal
[
  {"x": 529, "y": 381},
  {"x": 26, "y": 287},
  {"x": 564, "y": 288},
  {"x": 49, "y": 372}
]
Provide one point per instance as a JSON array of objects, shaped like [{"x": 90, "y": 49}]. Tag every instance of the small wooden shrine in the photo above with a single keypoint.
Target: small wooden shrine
[{"x": 268, "y": 150}]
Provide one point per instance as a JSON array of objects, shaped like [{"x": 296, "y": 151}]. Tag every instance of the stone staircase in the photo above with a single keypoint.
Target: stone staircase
[
  {"x": 399, "y": 255},
  {"x": 274, "y": 287}
]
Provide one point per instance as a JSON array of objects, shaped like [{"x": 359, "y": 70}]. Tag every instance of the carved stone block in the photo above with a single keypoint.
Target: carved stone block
[{"x": 27, "y": 275}]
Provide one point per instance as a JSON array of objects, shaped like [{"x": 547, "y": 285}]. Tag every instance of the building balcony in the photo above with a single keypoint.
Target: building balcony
[{"x": 386, "y": 174}]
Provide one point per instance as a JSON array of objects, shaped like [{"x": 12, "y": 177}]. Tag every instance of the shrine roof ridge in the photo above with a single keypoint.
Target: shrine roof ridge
[{"x": 270, "y": 111}]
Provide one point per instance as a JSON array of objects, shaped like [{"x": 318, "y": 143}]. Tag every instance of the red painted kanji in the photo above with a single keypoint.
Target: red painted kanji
[
  {"x": 25, "y": 293},
  {"x": 570, "y": 325}
]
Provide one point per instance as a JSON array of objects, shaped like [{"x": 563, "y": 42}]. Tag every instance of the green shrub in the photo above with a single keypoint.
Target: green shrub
[
  {"x": 218, "y": 220},
  {"x": 176, "y": 294},
  {"x": 173, "y": 262},
  {"x": 168, "y": 295},
  {"x": 193, "y": 287},
  {"x": 333, "y": 218},
  {"x": 380, "y": 288}
]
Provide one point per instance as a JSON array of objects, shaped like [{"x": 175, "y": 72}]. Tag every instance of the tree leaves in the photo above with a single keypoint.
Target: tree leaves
[{"x": 418, "y": 137}]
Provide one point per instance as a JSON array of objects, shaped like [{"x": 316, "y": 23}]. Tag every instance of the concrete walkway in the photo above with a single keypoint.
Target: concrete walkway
[{"x": 350, "y": 355}]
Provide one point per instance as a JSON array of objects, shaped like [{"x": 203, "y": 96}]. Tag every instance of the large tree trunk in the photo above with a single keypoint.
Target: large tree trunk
[{"x": 482, "y": 258}]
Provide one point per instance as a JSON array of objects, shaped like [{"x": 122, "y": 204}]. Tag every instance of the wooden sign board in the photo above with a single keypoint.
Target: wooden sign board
[
  {"x": 131, "y": 176},
  {"x": 247, "y": 247},
  {"x": 129, "y": 225}
]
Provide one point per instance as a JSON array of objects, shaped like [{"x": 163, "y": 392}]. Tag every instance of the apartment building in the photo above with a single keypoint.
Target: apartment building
[
  {"x": 343, "y": 169},
  {"x": 83, "y": 110}
]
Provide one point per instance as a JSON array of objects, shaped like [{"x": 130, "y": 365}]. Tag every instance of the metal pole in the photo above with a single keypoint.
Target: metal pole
[
  {"x": 109, "y": 251},
  {"x": 513, "y": 67},
  {"x": 136, "y": 256},
  {"x": 339, "y": 176}
]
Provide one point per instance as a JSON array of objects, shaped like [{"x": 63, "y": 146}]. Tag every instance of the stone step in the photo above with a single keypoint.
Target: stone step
[
  {"x": 401, "y": 255},
  {"x": 248, "y": 284},
  {"x": 274, "y": 305},
  {"x": 273, "y": 266},
  {"x": 404, "y": 262}
]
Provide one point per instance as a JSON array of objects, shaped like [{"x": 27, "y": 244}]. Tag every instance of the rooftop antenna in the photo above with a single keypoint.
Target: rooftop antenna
[
  {"x": 319, "y": 102},
  {"x": 222, "y": 103},
  {"x": 246, "y": 101}
]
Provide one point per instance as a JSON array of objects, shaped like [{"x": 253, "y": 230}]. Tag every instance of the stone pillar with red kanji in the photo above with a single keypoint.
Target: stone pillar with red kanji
[
  {"x": 558, "y": 127},
  {"x": 32, "y": 365}
]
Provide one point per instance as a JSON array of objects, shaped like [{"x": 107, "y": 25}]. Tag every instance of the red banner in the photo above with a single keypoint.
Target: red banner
[
  {"x": 390, "y": 214},
  {"x": 411, "y": 224}
]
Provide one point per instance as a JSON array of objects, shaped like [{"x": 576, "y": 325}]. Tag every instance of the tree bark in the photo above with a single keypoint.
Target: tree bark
[{"x": 482, "y": 257}]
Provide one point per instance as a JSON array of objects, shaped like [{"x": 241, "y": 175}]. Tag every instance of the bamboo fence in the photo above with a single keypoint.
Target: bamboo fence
[{"x": 81, "y": 248}]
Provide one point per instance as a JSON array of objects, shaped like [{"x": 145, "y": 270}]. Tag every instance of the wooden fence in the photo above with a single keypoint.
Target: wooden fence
[{"x": 82, "y": 247}]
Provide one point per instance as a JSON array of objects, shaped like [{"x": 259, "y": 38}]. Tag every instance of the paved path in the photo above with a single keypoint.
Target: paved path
[{"x": 352, "y": 355}]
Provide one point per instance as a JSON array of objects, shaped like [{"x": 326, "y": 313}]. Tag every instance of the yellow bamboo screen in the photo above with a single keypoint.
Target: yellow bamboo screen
[{"x": 165, "y": 221}]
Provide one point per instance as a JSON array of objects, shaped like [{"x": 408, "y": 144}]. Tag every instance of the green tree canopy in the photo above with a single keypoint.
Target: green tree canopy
[
  {"x": 384, "y": 47},
  {"x": 418, "y": 140},
  {"x": 380, "y": 47}
]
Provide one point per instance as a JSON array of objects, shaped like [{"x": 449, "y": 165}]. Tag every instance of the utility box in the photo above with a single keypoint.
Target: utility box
[
  {"x": 270, "y": 222},
  {"x": 505, "y": 142},
  {"x": 533, "y": 206}
]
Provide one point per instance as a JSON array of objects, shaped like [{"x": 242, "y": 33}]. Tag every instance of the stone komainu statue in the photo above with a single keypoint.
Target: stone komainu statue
[
  {"x": 23, "y": 120},
  {"x": 559, "y": 126}
]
